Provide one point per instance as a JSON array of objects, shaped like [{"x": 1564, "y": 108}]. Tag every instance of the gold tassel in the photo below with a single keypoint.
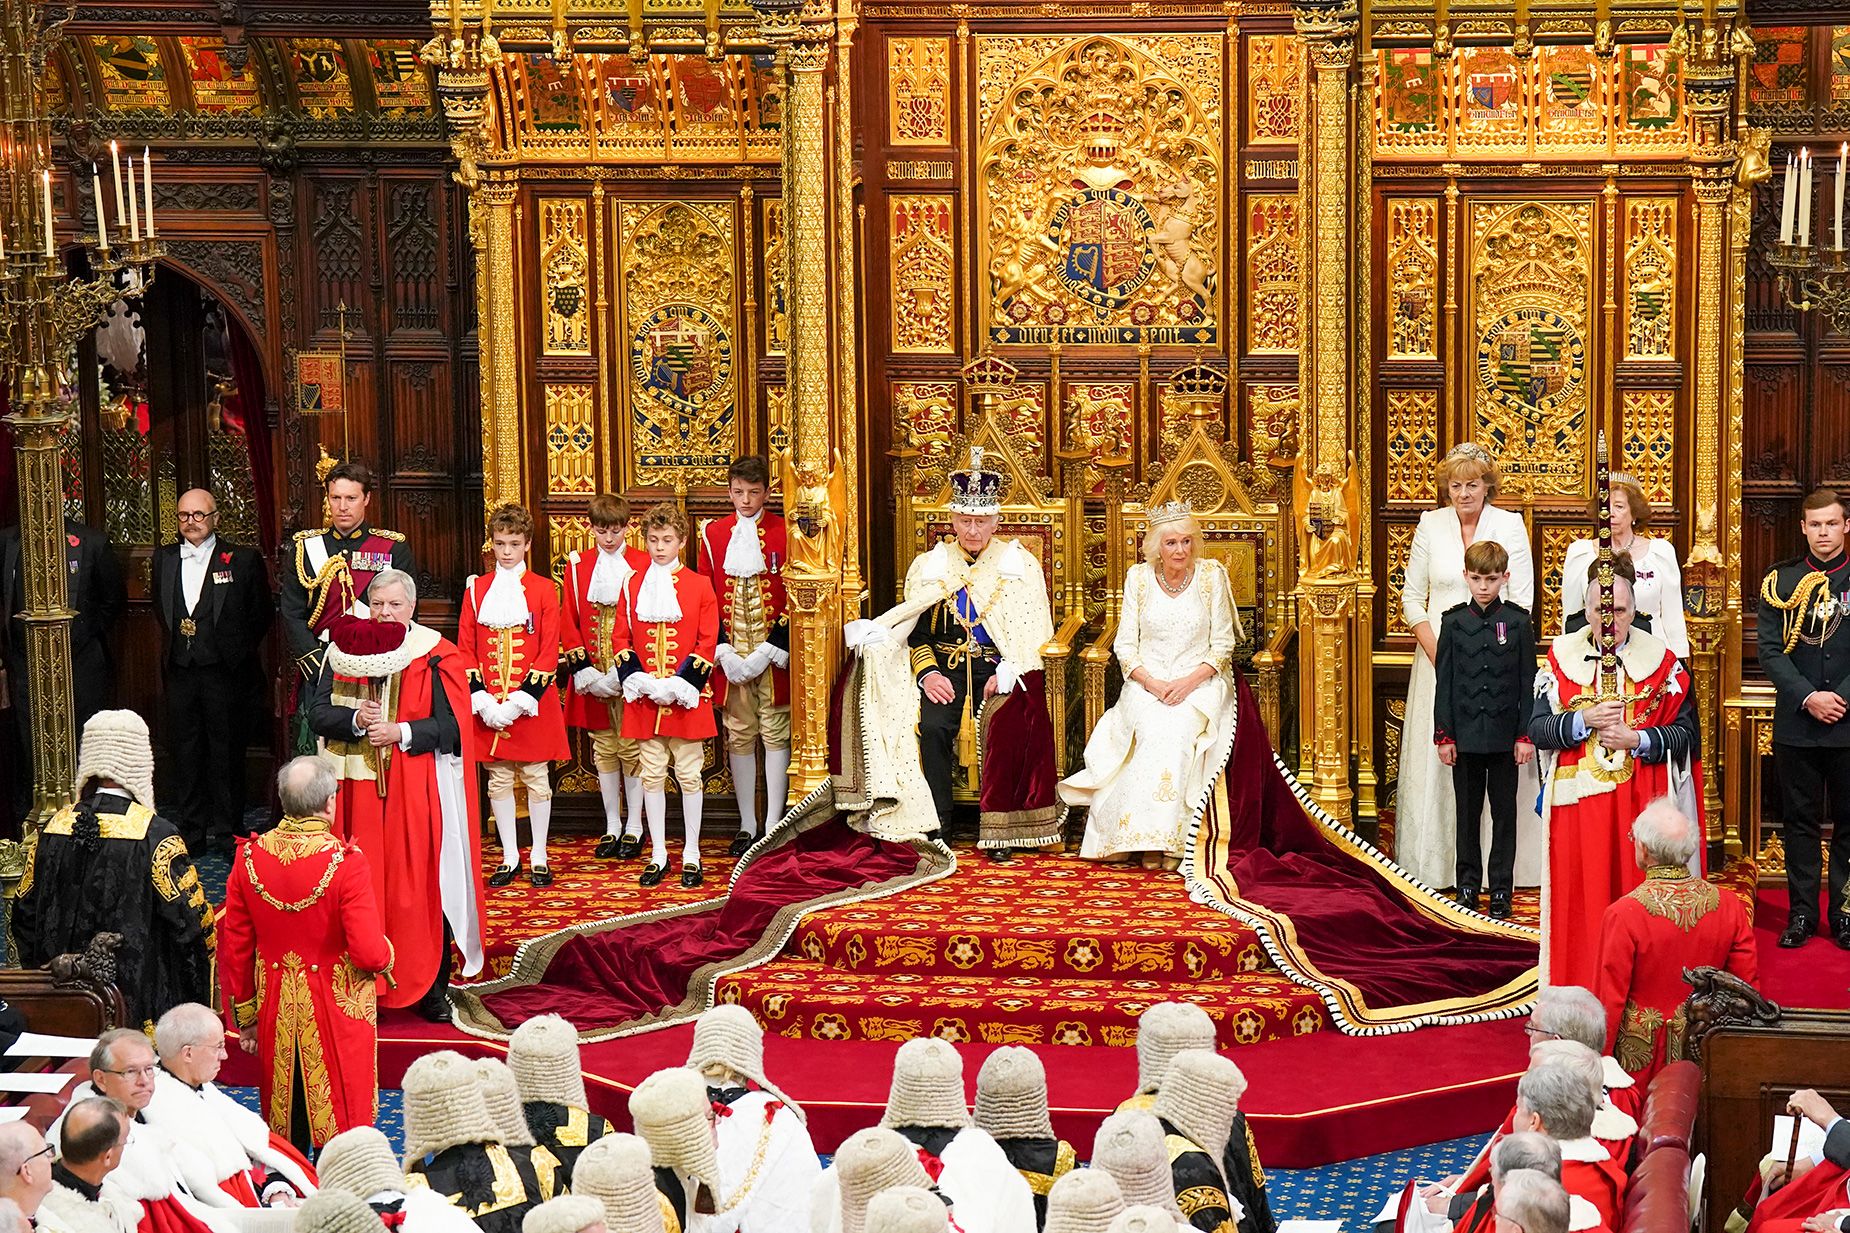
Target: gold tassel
[{"x": 966, "y": 740}]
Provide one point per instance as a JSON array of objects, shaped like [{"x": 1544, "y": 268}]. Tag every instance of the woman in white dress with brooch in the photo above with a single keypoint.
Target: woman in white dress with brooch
[
  {"x": 1157, "y": 752},
  {"x": 1658, "y": 593},
  {"x": 1425, "y": 831}
]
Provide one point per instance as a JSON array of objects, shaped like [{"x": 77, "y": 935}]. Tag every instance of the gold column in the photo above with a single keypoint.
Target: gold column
[
  {"x": 1711, "y": 585},
  {"x": 1362, "y": 348},
  {"x": 1327, "y": 203},
  {"x": 816, "y": 501},
  {"x": 499, "y": 341},
  {"x": 847, "y": 353},
  {"x": 35, "y": 422}
]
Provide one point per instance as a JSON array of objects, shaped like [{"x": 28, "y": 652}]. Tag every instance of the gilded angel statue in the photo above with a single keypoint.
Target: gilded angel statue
[
  {"x": 1329, "y": 508},
  {"x": 814, "y": 511}
]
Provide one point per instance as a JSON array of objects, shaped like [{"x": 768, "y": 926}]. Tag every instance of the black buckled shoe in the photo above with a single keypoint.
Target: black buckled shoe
[
  {"x": 1000, "y": 856},
  {"x": 1798, "y": 932},
  {"x": 502, "y": 876},
  {"x": 434, "y": 1008},
  {"x": 1841, "y": 933},
  {"x": 607, "y": 848},
  {"x": 740, "y": 842},
  {"x": 539, "y": 875},
  {"x": 692, "y": 876},
  {"x": 629, "y": 847},
  {"x": 1500, "y": 905},
  {"x": 1468, "y": 899},
  {"x": 652, "y": 875}
]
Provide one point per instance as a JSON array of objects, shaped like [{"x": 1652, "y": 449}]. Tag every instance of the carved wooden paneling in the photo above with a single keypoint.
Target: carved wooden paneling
[
  {"x": 423, "y": 424},
  {"x": 1399, "y": 539},
  {"x": 1648, "y": 440},
  {"x": 415, "y": 256},
  {"x": 339, "y": 250},
  {"x": 1554, "y": 545}
]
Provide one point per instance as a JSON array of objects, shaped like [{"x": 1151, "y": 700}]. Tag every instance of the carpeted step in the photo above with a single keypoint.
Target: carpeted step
[
  {"x": 1042, "y": 915},
  {"x": 804, "y": 1000}
]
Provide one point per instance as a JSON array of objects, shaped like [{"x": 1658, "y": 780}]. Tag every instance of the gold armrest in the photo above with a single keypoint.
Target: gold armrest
[
  {"x": 1269, "y": 666},
  {"x": 1056, "y": 656},
  {"x": 1096, "y": 661}
]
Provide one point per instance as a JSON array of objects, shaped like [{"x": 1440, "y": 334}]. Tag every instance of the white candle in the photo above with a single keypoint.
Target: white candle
[
  {"x": 147, "y": 173},
  {"x": 1842, "y": 154},
  {"x": 1789, "y": 199},
  {"x": 134, "y": 214},
  {"x": 115, "y": 156},
  {"x": 1805, "y": 192},
  {"x": 2, "y": 242},
  {"x": 96, "y": 191},
  {"x": 51, "y": 249}
]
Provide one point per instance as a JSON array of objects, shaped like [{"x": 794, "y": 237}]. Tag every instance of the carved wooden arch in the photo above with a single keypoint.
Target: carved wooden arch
[{"x": 236, "y": 304}]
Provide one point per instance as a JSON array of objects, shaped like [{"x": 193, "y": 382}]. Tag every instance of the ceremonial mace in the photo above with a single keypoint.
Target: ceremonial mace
[{"x": 1606, "y": 683}]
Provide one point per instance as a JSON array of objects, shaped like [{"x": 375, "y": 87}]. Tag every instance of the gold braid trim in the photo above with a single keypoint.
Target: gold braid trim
[
  {"x": 327, "y": 875},
  {"x": 1798, "y": 603}
]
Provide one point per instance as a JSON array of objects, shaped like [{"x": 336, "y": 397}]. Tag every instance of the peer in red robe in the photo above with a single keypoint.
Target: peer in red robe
[
  {"x": 301, "y": 946},
  {"x": 387, "y": 707},
  {"x": 1824, "y": 1187},
  {"x": 1597, "y": 782}
]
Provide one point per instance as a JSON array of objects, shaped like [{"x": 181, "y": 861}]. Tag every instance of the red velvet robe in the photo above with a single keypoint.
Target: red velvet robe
[
  {"x": 583, "y": 645},
  {"x": 503, "y": 661},
  {"x": 1647, "y": 939},
  {"x": 1822, "y": 1189},
  {"x": 401, "y": 832},
  {"x": 1599, "y": 1182},
  {"x": 297, "y": 960},
  {"x": 715, "y": 539},
  {"x": 1592, "y": 799},
  {"x": 684, "y": 648}
]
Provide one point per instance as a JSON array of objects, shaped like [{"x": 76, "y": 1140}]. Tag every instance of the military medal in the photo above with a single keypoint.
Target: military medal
[{"x": 1503, "y": 633}]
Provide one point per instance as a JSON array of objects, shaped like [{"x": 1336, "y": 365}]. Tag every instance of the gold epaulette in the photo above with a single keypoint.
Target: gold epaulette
[
  {"x": 382, "y": 533},
  {"x": 311, "y": 533},
  {"x": 1798, "y": 602}
]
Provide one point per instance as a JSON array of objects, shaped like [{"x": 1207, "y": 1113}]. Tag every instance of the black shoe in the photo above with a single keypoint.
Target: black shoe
[
  {"x": 1500, "y": 905},
  {"x": 629, "y": 847},
  {"x": 505, "y": 874},
  {"x": 539, "y": 875},
  {"x": 1468, "y": 899},
  {"x": 434, "y": 1009},
  {"x": 740, "y": 842},
  {"x": 1841, "y": 934},
  {"x": 608, "y": 848},
  {"x": 652, "y": 875},
  {"x": 692, "y": 876},
  {"x": 1000, "y": 856},
  {"x": 1797, "y": 933}
]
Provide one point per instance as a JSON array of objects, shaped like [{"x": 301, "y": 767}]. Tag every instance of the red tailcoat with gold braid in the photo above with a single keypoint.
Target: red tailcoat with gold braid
[
  {"x": 681, "y": 648},
  {"x": 522, "y": 658},
  {"x": 300, "y": 942},
  {"x": 1591, "y": 795},
  {"x": 1648, "y": 938},
  {"x": 585, "y": 639},
  {"x": 752, "y": 611}
]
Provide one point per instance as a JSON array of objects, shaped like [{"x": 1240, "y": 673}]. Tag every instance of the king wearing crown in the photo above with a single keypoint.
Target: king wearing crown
[{"x": 959, "y": 662}]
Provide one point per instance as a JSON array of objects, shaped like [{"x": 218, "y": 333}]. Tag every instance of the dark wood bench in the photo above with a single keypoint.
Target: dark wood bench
[{"x": 73, "y": 995}]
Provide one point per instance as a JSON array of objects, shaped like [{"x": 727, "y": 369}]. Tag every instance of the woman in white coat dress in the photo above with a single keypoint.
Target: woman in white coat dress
[
  {"x": 1657, "y": 594},
  {"x": 1425, "y": 833}
]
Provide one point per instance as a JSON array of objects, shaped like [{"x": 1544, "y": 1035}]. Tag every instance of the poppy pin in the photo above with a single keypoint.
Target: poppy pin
[{"x": 73, "y": 540}]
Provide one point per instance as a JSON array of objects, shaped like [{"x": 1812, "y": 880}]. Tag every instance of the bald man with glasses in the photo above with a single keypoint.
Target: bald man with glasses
[{"x": 213, "y": 600}]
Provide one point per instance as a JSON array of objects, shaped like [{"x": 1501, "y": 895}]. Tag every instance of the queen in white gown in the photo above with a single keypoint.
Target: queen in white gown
[
  {"x": 1425, "y": 830},
  {"x": 1155, "y": 754}
]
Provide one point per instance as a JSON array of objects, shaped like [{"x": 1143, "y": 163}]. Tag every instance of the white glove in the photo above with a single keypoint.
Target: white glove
[
  {"x": 660, "y": 690},
  {"x": 859, "y": 635},
  {"x": 586, "y": 679},
  {"x": 636, "y": 685},
  {"x": 1007, "y": 677},
  {"x": 679, "y": 691},
  {"x": 523, "y": 703},
  {"x": 483, "y": 704},
  {"x": 758, "y": 661},
  {"x": 737, "y": 670},
  {"x": 493, "y": 716},
  {"x": 609, "y": 687}
]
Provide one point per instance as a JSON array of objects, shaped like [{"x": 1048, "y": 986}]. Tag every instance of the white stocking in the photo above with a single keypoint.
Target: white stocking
[
  {"x": 745, "y": 787},
  {"x": 507, "y": 827},
  {"x": 776, "y": 785},
  {"x": 539, "y": 816},
  {"x": 633, "y": 793},
  {"x": 610, "y": 786},
  {"x": 691, "y": 805},
  {"x": 656, "y": 803}
]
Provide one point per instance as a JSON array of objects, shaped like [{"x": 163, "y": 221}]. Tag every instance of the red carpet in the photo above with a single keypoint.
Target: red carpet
[
  {"x": 1815, "y": 976},
  {"x": 1313, "y": 1099}
]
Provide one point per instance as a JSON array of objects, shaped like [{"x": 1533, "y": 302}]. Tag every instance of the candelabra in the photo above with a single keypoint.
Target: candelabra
[
  {"x": 1811, "y": 276},
  {"x": 44, "y": 309}
]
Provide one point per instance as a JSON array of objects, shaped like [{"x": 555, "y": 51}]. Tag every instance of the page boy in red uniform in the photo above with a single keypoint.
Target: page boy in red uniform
[
  {"x": 666, "y": 636},
  {"x": 509, "y": 636}
]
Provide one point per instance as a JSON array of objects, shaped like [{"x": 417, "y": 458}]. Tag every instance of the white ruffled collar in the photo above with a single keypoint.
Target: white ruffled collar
[
  {"x": 504, "y": 606},
  {"x": 656, "y": 600}
]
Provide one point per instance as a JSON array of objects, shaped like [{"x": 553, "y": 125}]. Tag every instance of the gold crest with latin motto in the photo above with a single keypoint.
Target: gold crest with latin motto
[
  {"x": 1099, "y": 166},
  {"x": 1530, "y": 339}
]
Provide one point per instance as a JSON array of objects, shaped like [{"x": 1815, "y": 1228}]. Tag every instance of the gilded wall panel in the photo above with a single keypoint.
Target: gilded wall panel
[
  {"x": 571, "y": 440},
  {"x": 776, "y": 274},
  {"x": 1412, "y": 104},
  {"x": 679, "y": 330},
  {"x": 1130, "y": 253},
  {"x": 1650, "y": 277},
  {"x": 1413, "y": 278},
  {"x": 924, "y": 272},
  {"x": 1021, "y": 410},
  {"x": 1571, "y": 103},
  {"x": 927, "y": 412},
  {"x": 1274, "y": 89},
  {"x": 1649, "y": 442},
  {"x": 1272, "y": 420},
  {"x": 1491, "y": 101},
  {"x": 1650, "y": 89},
  {"x": 1274, "y": 265},
  {"x": 1412, "y": 444},
  {"x": 1098, "y": 416},
  {"x": 1399, "y": 548},
  {"x": 565, "y": 258},
  {"x": 777, "y": 416},
  {"x": 918, "y": 91},
  {"x": 570, "y": 533},
  {"x": 1531, "y": 310},
  {"x": 1555, "y": 542},
  {"x": 619, "y": 108}
]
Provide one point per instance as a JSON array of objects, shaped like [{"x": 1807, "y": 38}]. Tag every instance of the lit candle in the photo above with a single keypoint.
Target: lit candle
[
  {"x": 115, "y": 156},
  {"x": 1842, "y": 154},
  {"x": 134, "y": 214},
  {"x": 2, "y": 242},
  {"x": 51, "y": 249},
  {"x": 96, "y": 191},
  {"x": 1789, "y": 200},
  {"x": 1805, "y": 199},
  {"x": 147, "y": 175}
]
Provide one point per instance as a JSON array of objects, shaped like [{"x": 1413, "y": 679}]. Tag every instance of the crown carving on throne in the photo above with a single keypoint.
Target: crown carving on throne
[{"x": 990, "y": 374}]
